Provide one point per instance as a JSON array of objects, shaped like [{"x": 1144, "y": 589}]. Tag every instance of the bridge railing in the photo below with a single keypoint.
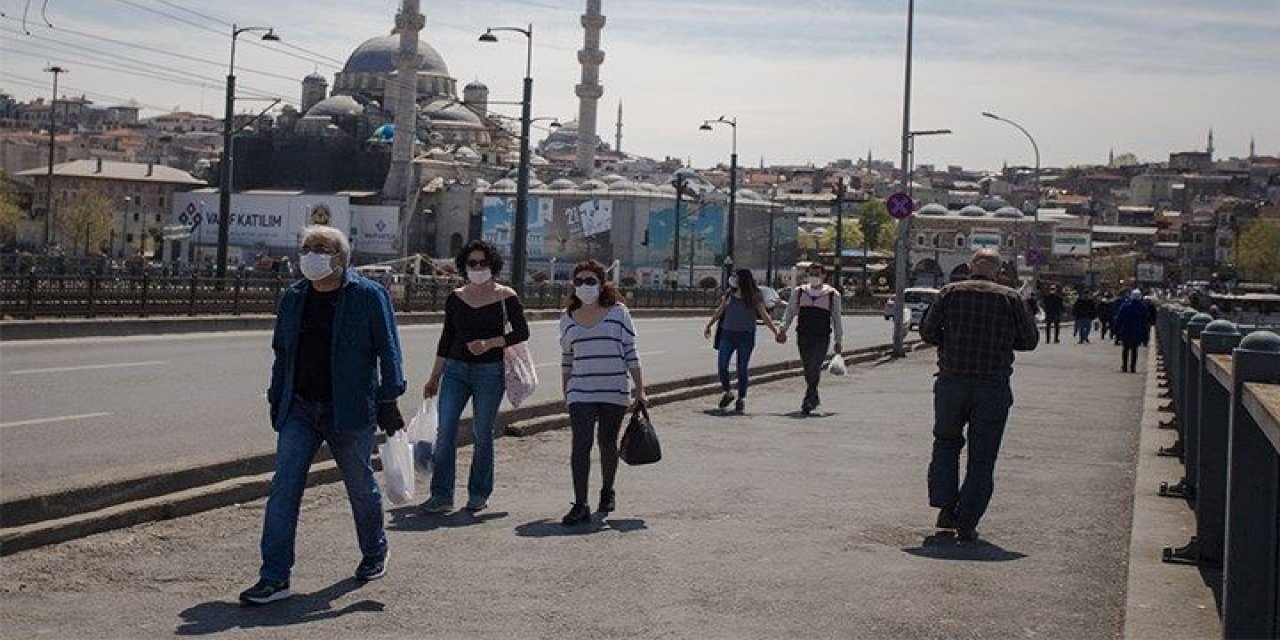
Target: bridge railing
[{"x": 1223, "y": 381}]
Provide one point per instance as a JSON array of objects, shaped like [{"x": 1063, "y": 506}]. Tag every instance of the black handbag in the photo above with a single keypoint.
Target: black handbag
[{"x": 640, "y": 442}]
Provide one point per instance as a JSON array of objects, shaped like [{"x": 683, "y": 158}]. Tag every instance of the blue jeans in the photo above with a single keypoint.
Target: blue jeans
[
  {"x": 1083, "y": 327},
  {"x": 485, "y": 384},
  {"x": 743, "y": 342},
  {"x": 307, "y": 425},
  {"x": 984, "y": 406}
]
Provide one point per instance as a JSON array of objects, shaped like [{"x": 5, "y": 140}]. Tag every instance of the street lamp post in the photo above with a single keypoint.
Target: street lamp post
[
  {"x": 838, "y": 269},
  {"x": 904, "y": 225},
  {"x": 733, "y": 191},
  {"x": 768, "y": 269},
  {"x": 48, "y": 187},
  {"x": 680, "y": 181},
  {"x": 224, "y": 167},
  {"x": 1035, "y": 203},
  {"x": 519, "y": 243}
]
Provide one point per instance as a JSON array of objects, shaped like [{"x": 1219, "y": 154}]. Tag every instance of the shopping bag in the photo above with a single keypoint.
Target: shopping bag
[
  {"x": 397, "y": 467},
  {"x": 640, "y": 442},
  {"x": 422, "y": 433},
  {"x": 837, "y": 366},
  {"x": 520, "y": 374}
]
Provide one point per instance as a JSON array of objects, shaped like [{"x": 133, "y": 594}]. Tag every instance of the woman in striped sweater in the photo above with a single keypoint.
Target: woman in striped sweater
[{"x": 598, "y": 352}]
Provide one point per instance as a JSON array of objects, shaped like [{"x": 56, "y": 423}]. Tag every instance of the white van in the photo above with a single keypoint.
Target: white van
[{"x": 918, "y": 300}]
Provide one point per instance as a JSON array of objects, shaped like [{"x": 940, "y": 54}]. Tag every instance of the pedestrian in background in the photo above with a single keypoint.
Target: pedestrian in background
[
  {"x": 336, "y": 374},
  {"x": 976, "y": 325},
  {"x": 1131, "y": 329},
  {"x": 1053, "y": 306},
  {"x": 741, "y": 306},
  {"x": 1085, "y": 310},
  {"x": 1106, "y": 311},
  {"x": 469, "y": 366},
  {"x": 816, "y": 306},
  {"x": 598, "y": 353}
]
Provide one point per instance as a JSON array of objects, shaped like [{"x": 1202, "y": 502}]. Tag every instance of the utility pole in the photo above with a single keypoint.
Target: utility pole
[
  {"x": 48, "y": 187},
  {"x": 904, "y": 225}
]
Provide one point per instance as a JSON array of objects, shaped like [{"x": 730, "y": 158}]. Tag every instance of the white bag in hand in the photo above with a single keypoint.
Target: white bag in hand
[
  {"x": 837, "y": 367},
  {"x": 422, "y": 433},
  {"x": 397, "y": 467}
]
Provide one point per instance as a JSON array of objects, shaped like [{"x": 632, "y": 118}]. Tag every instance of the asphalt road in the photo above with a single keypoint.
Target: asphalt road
[{"x": 73, "y": 412}]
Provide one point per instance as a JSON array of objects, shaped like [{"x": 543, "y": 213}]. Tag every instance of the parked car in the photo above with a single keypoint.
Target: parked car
[
  {"x": 773, "y": 302},
  {"x": 918, "y": 300},
  {"x": 888, "y": 308}
]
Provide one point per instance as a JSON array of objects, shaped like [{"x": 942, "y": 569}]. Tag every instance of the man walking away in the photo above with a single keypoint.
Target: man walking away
[
  {"x": 1131, "y": 329},
  {"x": 976, "y": 325},
  {"x": 1106, "y": 311},
  {"x": 1053, "y": 306},
  {"x": 336, "y": 374},
  {"x": 1084, "y": 310},
  {"x": 817, "y": 306}
]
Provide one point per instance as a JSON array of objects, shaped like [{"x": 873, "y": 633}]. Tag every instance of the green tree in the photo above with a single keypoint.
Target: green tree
[
  {"x": 86, "y": 221},
  {"x": 10, "y": 212},
  {"x": 878, "y": 228},
  {"x": 850, "y": 235},
  {"x": 1258, "y": 251}
]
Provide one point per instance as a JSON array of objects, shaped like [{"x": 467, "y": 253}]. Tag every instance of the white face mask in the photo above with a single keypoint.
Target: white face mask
[
  {"x": 815, "y": 281},
  {"x": 315, "y": 266},
  {"x": 733, "y": 282},
  {"x": 479, "y": 276},
  {"x": 587, "y": 293}
]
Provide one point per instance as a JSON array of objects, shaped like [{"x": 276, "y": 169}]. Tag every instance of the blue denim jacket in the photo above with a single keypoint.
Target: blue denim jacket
[{"x": 366, "y": 351}]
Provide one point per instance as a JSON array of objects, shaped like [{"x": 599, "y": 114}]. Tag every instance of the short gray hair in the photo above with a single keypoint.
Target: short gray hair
[
  {"x": 332, "y": 237},
  {"x": 985, "y": 262}
]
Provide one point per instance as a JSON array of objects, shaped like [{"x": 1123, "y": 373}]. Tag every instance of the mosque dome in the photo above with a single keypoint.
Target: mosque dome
[
  {"x": 1008, "y": 212},
  {"x": 933, "y": 209},
  {"x": 448, "y": 110},
  {"x": 593, "y": 185},
  {"x": 378, "y": 55},
  {"x": 314, "y": 78},
  {"x": 563, "y": 184},
  {"x": 476, "y": 85},
  {"x": 973, "y": 211},
  {"x": 505, "y": 184},
  {"x": 339, "y": 106}
]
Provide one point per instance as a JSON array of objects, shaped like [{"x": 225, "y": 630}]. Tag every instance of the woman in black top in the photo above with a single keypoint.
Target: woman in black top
[{"x": 469, "y": 365}]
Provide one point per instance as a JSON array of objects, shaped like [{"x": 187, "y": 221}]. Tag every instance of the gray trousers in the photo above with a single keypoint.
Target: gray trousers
[{"x": 813, "y": 352}]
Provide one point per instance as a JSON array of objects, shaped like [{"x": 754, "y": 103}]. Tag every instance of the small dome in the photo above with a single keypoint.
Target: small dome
[
  {"x": 622, "y": 185},
  {"x": 933, "y": 209},
  {"x": 973, "y": 211},
  {"x": 378, "y": 55},
  {"x": 993, "y": 203},
  {"x": 314, "y": 78},
  {"x": 563, "y": 184},
  {"x": 535, "y": 183},
  {"x": 449, "y": 110},
  {"x": 593, "y": 185},
  {"x": 336, "y": 107},
  {"x": 475, "y": 85},
  {"x": 482, "y": 184},
  {"x": 1008, "y": 212},
  {"x": 505, "y": 184},
  {"x": 612, "y": 178}
]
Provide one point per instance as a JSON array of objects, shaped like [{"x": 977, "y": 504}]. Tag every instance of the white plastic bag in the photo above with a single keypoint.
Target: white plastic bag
[
  {"x": 397, "y": 467},
  {"x": 520, "y": 373},
  {"x": 422, "y": 433},
  {"x": 837, "y": 367}
]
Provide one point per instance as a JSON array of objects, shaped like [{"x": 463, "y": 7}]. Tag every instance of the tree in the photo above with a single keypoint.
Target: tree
[
  {"x": 10, "y": 212},
  {"x": 86, "y": 221},
  {"x": 1258, "y": 251},
  {"x": 850, "y": 234},
  {"x": 879, "y": 230}
]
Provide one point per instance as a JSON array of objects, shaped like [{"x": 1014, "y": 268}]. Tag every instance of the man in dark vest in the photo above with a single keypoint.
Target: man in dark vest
[{"x": 817, "y": 306}]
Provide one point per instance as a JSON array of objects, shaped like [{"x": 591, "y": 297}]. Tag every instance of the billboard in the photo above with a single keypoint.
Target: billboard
[
  {"x": 259, "y": 219},
  {"x": 984, "y": 239},
  {"x": 701, "y": 235},
  {"x": 1071, "y": 243},
  {"x": 1150, "y": 272},
  {"x": 375, "y": 229}
]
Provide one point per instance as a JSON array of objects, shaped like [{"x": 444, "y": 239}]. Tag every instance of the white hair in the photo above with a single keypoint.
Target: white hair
[{"x": 332, "y": 237}]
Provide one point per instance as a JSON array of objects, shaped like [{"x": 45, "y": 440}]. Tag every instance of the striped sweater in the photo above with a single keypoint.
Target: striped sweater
[{"x": 595, "y": 359}]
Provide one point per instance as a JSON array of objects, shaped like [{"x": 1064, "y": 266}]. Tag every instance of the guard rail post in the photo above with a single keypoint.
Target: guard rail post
[
  {"x": 1180, "y": 489},
  {"x": 1251, "y": 568},
  {"x": 1189, "y": 418},
  {"x": 93, "y": 295}
]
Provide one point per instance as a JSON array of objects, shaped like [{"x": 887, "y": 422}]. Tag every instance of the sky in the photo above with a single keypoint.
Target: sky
[{"x": 809, "y": 81}]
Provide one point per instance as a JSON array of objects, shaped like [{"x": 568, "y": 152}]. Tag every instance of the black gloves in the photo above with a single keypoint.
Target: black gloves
[{"x": 389, "y": 418}]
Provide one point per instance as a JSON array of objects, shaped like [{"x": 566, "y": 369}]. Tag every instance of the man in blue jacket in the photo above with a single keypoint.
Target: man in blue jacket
[{"x": 336, "y": 374}]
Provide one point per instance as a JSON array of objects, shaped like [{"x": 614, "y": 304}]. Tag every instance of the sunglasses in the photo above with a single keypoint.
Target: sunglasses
[
  {"x": 477, "y": 263},
  {"x": 588, "y": 281}
]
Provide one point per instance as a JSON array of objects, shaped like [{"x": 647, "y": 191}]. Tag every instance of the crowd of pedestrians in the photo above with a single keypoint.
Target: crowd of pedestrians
[{"x": 337, "y": 375}]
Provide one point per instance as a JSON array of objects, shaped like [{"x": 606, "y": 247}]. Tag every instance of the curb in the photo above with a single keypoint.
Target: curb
[{"x": 36, "y": 521}]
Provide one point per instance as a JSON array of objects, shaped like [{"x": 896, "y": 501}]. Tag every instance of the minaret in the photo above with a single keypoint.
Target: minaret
[
  {"x": 1111, "y": 158},
  {"x": 617, "y": 137},
  {"x": 589, "y": 91},
  {"x": 1252, "y": 151},
  {"x": 1210, "y": 147},
  {"x": 400, "y": 179}
]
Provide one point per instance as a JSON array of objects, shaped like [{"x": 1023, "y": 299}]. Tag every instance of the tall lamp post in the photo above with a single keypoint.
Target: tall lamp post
[
  {"x": 48, "y": 187},
  {"x": 519, "y": 241},
  {"x": 1035, "y": 203},
  {"x": 838, "y": 271},
  {"x": 733, "y": 192},
  {"x": 680, "y": 181},
  {"x": 904, "y": 225},
  {"x": 224, "y": 166}
]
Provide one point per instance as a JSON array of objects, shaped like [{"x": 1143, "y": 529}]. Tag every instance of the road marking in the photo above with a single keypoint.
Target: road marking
[
  {"x": 83, "y": 416},
  {"x": 88, "y": 367}
]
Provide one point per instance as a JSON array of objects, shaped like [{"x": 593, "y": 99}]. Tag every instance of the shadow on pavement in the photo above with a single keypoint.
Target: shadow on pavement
[
  {"x": 722, "y": 413},
  {"x": 409, "y": 519},
  {"x": 546, "y": 528},
  {"x": 800, "y": 415},
  {"x": 219, "y": 616},
  {"x": 945, "y": 546}
]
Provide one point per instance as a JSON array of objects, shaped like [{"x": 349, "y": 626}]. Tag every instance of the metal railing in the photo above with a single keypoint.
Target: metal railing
[
  {"x": 1223, "y": 381},
  {"x": 92, "y": 295}
]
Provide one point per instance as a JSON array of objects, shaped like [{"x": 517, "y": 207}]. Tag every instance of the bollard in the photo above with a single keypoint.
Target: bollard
[
  {"x": 1180, "y": 489},
  {"x": 1207, "y": 450},
  {"x": 1191, "y": 429},
  {"x": 1251, "y": 568},
  {"x": 1166, "y": 322}
]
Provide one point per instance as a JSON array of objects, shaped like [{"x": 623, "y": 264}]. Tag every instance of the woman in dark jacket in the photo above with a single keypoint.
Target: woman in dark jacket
[{"x": 1131, "y": 329}]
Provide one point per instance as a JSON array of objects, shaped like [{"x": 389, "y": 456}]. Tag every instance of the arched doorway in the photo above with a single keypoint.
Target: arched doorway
[
  {"x": 927, "y": 273},
  {"x": 455, "y": 244}
]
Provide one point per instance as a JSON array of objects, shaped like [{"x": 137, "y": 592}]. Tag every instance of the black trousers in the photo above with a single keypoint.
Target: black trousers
[
  {"x": 813, "y": 352},
  {"x": 1129, "y": 356},
  {"x": 583, "y": 417},
  {"x": 1106, "y": 326},
  {"x": 1053, "y": 323}
]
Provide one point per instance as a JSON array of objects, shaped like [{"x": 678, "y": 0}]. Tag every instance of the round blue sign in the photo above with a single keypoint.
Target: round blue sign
[{"x": 899, "y": 205}]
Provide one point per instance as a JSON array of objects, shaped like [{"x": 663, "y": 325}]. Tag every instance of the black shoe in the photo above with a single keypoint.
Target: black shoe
[
  {"x": 372, "y": 567},
  {"x": 608, "y": 501},
  {"x": 947, "y": 518},
  {"x": 579, "y": 514},
  {"x": 726, "y": 399},
  {"x": 806, "y": 408},
  {"x": 265, "y": 591},
  {"x": 740, "y": 406},
  {"x": 967, "y": 534}
]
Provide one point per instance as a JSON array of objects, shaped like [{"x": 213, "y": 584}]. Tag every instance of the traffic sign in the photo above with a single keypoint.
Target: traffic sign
[{"x": 899, "y": 205}]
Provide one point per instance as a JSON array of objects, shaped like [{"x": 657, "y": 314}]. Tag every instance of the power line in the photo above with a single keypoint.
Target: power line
[
  {"x": 227, "y": 23},
  {"x": 36, "y": 84}
]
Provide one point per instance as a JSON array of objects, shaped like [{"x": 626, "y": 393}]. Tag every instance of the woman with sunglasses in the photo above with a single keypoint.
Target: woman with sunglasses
[
  {"x": 598, "y": 351},
  {"x": 469, "y": 366},
  {"x": 737, "y": 315}
]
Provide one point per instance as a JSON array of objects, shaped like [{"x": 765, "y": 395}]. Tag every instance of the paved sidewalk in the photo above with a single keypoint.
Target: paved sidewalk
[{"x": 763, "y": 526}]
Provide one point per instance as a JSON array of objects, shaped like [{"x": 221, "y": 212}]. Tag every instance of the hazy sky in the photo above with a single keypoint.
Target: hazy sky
[{"x": 808, "y": 80}]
